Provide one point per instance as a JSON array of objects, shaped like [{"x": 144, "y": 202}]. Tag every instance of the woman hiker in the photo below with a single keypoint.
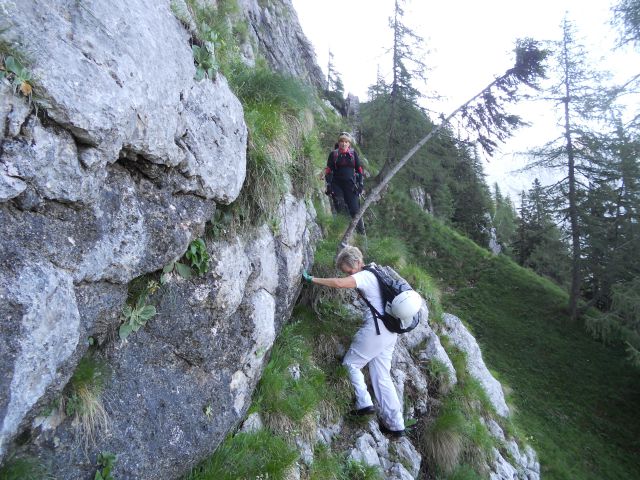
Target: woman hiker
[
  {"x": 367, "y": 347},
  {"x": 344, "y": 178}
]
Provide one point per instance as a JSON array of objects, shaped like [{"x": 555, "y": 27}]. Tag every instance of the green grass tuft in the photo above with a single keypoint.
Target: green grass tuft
[
  {"x": 23, "y": 468},
  {"x": 82, "y": 397},
  {"x": 248, "y": 455},
  {"x": 328, "y": 465},
  {"x": 426, "y": 286},
  {"x": 278, "y": 390},
  {"x": 280, "y": 143},
  {"x": 464, "y": 472}
]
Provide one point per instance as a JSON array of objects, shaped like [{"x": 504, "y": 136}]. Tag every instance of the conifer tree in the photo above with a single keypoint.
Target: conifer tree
[
  {"x": 504, "y": 219},
  {"x": 335, "y": 88},
  {"x": 334, "y": 80},
  {"x": 574, "y": 92},
  {"x": 627, "y": 18},
  {"x": 611, "y": 213},
  {"x": 406, "y": 68},
  {"x": 539, "y": 244},
  {"x": 472, "y": 199}
]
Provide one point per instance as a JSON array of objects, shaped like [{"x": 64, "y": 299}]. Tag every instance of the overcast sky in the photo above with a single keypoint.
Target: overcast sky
[{"x": 467, "y": 44}]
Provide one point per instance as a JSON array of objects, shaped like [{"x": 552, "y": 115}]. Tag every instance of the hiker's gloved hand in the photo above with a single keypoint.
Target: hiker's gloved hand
[
  {"x": 328, "y": 180},
  {"x": 306, "y": 277},
  {"x": 328, "y": 190},
  {"x": 359, "y": 183}
]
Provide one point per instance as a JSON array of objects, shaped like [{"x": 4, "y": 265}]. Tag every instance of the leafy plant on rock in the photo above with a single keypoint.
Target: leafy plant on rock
[
  {"x": 106, "y": 460},
  {"x": 198, "y": 256},
  {"x": 183, "y": 270},
  {"x": 19, "y": 75},
  {"x": 136, "y": 317},
  {"x": 206, "y": 64}
]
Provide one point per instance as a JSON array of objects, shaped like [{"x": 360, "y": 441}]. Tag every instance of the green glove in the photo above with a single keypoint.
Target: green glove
[{"x": 306, "y": 277}]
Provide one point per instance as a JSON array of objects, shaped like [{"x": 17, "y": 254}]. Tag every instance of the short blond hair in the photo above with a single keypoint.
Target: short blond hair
[{"x": 349, "y": 256}]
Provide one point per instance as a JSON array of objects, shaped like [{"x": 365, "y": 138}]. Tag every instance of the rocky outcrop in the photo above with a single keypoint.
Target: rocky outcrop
[
  {"x": 400, "y": 459},
  {"x": 120, "y": 166},
  {"x": 422, "y": 198},
  {"x": 274, "y": 27},
  {"x": 182, "y": 382},
  {"x": 462, "y": 339}
]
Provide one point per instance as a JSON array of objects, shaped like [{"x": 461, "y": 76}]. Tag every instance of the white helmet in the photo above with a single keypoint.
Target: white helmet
[{"x": 406, "y": 304}]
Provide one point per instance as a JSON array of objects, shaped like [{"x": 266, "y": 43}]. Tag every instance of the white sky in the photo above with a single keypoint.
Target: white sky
[{"x": 470, "y": 42}]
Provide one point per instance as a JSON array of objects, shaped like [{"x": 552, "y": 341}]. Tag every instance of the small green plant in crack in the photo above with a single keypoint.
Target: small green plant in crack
[
  {"x": 183, "y": 270},
  {"x": 206, "y": 64},
  {"x": 221, "y": 225},
  {"x": 49, "y": 409},
  {"x": 198, "y": 256},
  {"x": 135, "y": 317},
  {"x": 106, "y": 461},
  {"x": 20, "y": 77}
]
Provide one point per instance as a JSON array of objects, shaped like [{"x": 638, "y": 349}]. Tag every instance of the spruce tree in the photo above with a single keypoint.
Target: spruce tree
[
  {"x": 539, "y": 243},
  {"x": 335, "y": 88},
  {"x": 627, "y": 18},
  {"x": 504, "y": 219},
  {"x": 611, "y": 213},
  {"x": 406, "y": 68},
  {"x": 574, "y": 92}
]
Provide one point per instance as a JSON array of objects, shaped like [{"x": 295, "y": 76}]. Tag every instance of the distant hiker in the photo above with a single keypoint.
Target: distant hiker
[
  {"x": 344, "y": 178},
  {"x": 368, "y": 347}
]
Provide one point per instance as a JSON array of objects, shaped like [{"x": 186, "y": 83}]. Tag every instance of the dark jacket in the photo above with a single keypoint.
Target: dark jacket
[{"x": 343, "y": 165}]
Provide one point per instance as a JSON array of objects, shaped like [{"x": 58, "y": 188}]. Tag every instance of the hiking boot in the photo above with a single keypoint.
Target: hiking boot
[
  {"x": 361, "y": 412},
  {"x": 394, "y": 434}
]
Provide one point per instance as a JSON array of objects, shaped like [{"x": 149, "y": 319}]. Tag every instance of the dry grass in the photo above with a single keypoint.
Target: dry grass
[
  {"x": 91, "y": 418},
  {"x": 444, "y": 448},
  {"x": 283, "y": 426},
  {"x": 326, "y": 348}
]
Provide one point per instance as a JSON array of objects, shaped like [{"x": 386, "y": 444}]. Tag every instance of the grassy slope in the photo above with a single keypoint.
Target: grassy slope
[{"x": 575, "y": 398}]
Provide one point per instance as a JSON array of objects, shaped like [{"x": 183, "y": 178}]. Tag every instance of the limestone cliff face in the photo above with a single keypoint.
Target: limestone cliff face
[
  {"x": 274, "y": 27},
  {"x": 118, "y": 170}
]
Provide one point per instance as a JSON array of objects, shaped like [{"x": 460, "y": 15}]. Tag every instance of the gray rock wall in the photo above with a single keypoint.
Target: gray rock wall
[
  {"x": 363, "y": 441},
  {"x": 111, "y": 177},
  {"x": 274, "y": 27}
]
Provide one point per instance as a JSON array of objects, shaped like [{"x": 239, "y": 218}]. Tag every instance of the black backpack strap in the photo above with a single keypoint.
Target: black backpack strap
[
  {"x": 374, "y": 312},
  {"x": 334, "y": 155}
]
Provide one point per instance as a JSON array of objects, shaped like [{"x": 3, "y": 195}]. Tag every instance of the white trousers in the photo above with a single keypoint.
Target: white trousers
[{"x": 368, "y": 348}]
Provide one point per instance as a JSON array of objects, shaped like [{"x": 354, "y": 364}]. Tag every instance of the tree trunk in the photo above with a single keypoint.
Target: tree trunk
[{"x": 574, "y": 293}]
